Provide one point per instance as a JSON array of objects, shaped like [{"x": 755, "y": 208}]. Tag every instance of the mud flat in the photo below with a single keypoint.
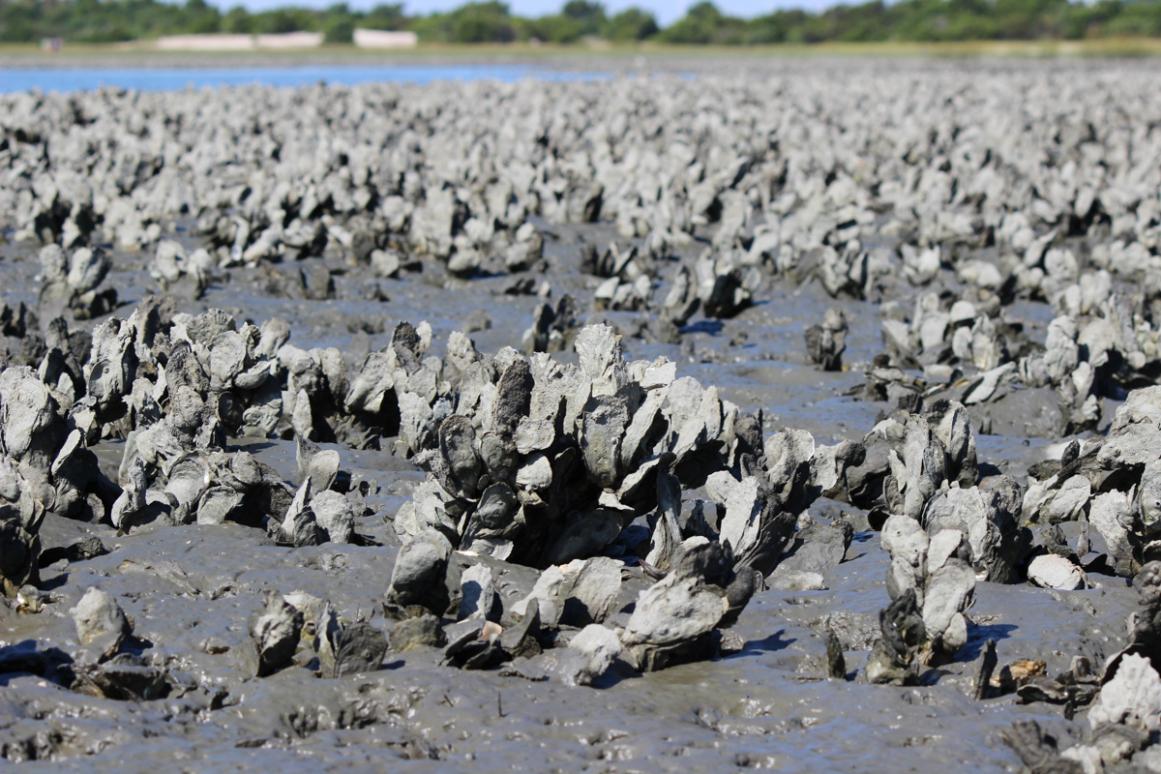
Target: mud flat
[{"x": 784, "y": 415}]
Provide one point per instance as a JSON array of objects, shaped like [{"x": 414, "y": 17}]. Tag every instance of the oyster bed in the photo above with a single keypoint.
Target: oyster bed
[{"x": 799, "y": 415}]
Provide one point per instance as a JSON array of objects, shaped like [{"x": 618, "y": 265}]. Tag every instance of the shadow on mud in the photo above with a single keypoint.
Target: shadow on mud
[
  {"x": 771, "y": 644},
  {"x": 617, "y": 673},
  {"x": 28, "y": 657},
  {"x": 978, "y": 636},
  {"x": 709, "y": 327}
]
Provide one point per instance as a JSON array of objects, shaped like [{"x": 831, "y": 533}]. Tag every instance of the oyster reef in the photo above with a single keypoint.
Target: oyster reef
[{"x": 780, "y": 414}]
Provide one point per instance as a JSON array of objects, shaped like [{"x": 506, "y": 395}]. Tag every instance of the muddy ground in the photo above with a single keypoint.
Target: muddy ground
[{"x": 191, "y": 590}]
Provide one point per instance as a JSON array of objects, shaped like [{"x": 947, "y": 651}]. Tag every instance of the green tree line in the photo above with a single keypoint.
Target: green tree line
[{"x": 97, "y": 21}]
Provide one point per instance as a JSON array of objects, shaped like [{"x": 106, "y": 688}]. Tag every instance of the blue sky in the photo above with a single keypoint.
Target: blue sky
[{"x": 665, "y": 10}]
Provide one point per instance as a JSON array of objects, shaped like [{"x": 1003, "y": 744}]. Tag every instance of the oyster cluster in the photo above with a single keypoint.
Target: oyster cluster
[
  {"x": 44, "y": 468},
  {"x": 1124, "y": 699},
  {"x": 1108, "y": 485},
  {"x": 560, "y": 466}
]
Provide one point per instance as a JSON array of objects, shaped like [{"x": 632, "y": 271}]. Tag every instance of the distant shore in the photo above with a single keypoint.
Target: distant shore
[{"x": 141, "y": 55}]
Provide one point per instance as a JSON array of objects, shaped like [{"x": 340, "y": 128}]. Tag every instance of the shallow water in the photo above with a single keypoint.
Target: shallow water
[{"x": 174, "y": 78}]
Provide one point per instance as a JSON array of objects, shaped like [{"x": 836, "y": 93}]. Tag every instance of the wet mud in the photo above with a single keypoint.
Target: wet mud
[{"x": 869, "y": 508}]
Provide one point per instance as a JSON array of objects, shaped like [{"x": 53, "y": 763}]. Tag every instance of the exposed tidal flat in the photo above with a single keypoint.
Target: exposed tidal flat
[{"x": 788, "y": 413}]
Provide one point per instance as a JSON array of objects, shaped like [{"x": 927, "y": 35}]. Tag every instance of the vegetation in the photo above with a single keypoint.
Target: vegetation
[{"x": 96, "y": 21}]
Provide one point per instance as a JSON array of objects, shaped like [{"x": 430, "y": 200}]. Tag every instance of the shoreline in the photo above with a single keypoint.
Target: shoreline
[{"x": 27, "y": 56}]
